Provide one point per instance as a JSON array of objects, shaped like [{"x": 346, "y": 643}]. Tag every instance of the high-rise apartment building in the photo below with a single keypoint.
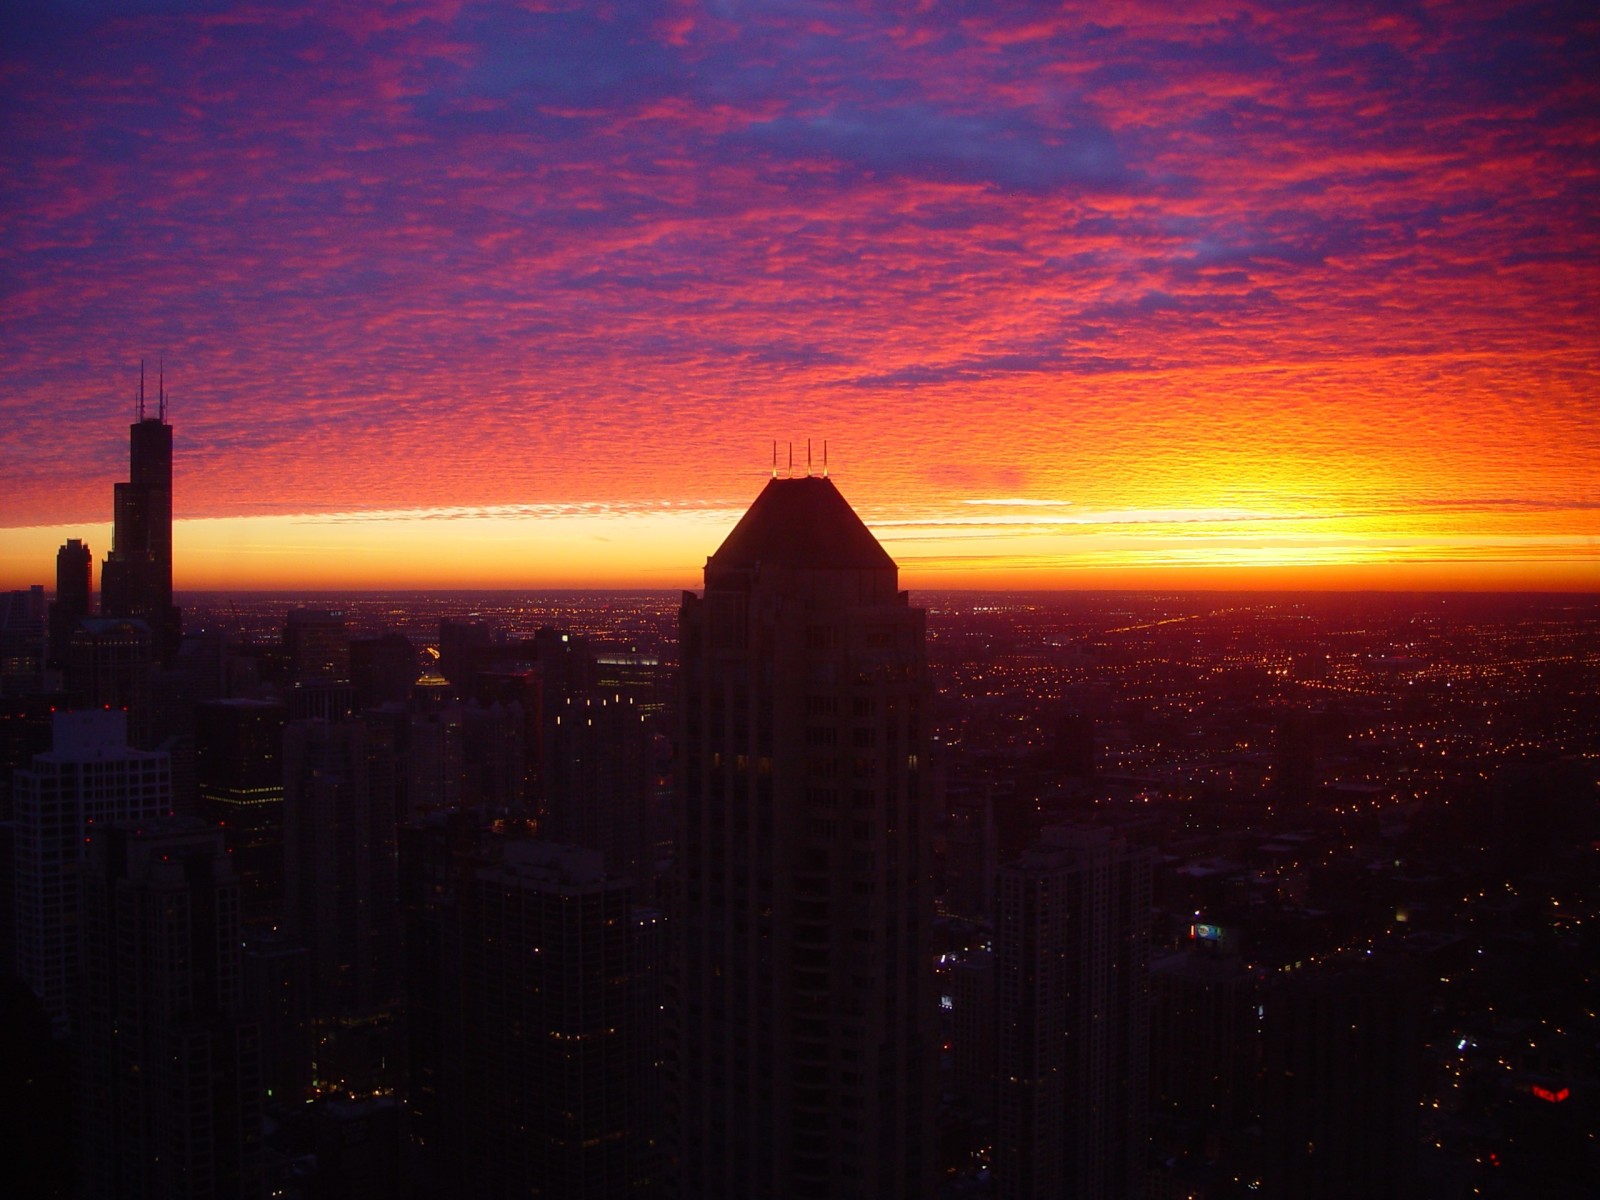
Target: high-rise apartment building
[
  {"x": 90, "y": 777},
  {"x": 136, "y": 578},
  {"x": 170, "y": 1066},
  {"x": 554, "y": 1027},
  {"x": 804, "y": 1011},
  {"x": 1072, "y": 946}
]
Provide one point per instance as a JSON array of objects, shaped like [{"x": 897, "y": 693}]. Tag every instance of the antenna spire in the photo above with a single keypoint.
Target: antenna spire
[
  {"x": 162, "y": 385},
  {"x": 774, "y": 458},
  {"x": 808, "y": 458},
  {"x": 791, "y": 460},
  {"x": 824, "y": 458},
  {"x": 141, "y": 389}
]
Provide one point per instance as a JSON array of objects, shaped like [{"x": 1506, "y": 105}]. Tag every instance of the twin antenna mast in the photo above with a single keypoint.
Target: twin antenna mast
[
  {"x": 808, "y": 459},
  {"x": 161, "y": 391}
]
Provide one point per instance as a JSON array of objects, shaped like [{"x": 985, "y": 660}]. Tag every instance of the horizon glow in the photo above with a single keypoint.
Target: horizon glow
[{"x": 1251, "y": 295}]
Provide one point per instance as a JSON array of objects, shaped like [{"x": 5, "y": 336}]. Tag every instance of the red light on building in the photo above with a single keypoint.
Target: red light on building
[{"x": 1553, "y": 1096}]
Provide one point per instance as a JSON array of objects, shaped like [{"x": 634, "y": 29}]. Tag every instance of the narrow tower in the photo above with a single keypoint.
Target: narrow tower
[
  {"x": 804, "y": 1009},
  {"x": 136, "y": 578}
]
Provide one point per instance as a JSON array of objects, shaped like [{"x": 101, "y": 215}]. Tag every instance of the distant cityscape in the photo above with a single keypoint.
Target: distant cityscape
[{"x": 798, "y": 885}]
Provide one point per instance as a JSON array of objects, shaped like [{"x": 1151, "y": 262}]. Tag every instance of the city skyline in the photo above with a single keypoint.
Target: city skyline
[{"x": 470, "y": 296}]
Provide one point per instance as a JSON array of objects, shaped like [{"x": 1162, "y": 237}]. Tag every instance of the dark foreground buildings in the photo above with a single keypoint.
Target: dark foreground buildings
[{"x": 804, "y": 1009}]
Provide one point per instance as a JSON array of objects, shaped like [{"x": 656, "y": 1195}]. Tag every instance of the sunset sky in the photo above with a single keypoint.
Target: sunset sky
[{"x": 1116, "y": 294}]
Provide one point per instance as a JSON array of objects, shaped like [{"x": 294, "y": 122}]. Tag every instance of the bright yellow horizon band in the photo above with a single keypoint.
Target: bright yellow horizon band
[{"x": 1003, "y": 544}]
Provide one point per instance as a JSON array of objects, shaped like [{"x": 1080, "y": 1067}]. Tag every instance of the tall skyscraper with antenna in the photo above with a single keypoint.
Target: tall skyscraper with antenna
[
  {"x": 136, "y": 579},
  {"x": 804, "y": 1010}
]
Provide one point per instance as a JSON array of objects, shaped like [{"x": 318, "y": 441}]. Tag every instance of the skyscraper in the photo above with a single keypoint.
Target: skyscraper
[
  {"x": 136, "y": 579},
  {"x": 804, "y": 1011},
  {"x": 1072, "y": 950},
  {"x": 553, "y": 1023},
  {"x": 340, "y": 891},
  {"x": 90, "y": 776},
  {"x": 170, "y": 1066},
  {"x": 74, "y": 585}
]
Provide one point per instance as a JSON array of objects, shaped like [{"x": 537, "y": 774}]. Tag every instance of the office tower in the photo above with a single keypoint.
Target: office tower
[
  {"x": 968, "y": 985},
  {"x": 464, "y": 648},
  {"x": 23, "y": 644},
  {"x": 519, "y": 691},
  {"x": 171, "y": 1069},
  {"x": 90, "y": 777},
  {"x": 239, "y": 780},
  {"x": 316, "y": 647},
  {"x": 554, "y": 1025},
  {"x": 74, "y": 586},
  {"x": 136, "y": 578},
  {"x": 341, "y": 902},
  {"x": 1205, "y": 1054},
  {"x": 804, "y": 1008},
  {"x": 110, "y": 663},
  {"x": 494, "y": 758},
  {"x": 597, "y": 779},
  {"x": 1341, "y": 1060},
  {"x": 1072, "y": 954},
  {"x": 383, "y": 669},
  {"x": 966, "y": 875}
]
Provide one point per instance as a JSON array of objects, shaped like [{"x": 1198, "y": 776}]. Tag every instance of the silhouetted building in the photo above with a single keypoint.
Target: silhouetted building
[
  {"x": 555, "y": 1016},
  {"x": 1205, "y": 1055},
  {"x": 111, "y": 664},
  {"x": 1340, "y": 1081},
  {"x": 136, "y": 578},
  {"x": 1072, "y": 944},
  {"x": 341, "y": 892},
  {"x": 74, "y": 587},
  {"x": 805, "y": 1008},
  {"x": 464, "y": 649},
  {"x": 383, "y": 669},
  {"x": 22, "y": 642},
  {"x": 316, "y": 644},
  {"x": 971, "y": 1015},
  {"x": 171, "y": 1071},
  {"x": 239, "y": 778},
  {"x": 90, "y": 777},
  {"x": 597, "y": 779}
]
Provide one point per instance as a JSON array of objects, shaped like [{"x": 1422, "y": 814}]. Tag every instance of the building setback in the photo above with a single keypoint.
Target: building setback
[{"x": 804, "y": 1010}]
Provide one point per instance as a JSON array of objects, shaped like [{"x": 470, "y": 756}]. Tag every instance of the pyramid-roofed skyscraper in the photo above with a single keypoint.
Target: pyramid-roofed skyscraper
[{"x": 804, "y": 1006}]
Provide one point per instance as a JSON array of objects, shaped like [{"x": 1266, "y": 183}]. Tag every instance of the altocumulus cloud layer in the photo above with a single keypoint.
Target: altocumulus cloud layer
[{"x": 1330, "y": 261}]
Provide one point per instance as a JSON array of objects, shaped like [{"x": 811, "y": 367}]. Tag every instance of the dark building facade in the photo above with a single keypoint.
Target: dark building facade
[
  {"x": 136, "y": 578},
  {"x": 1072, "y": 947},
  {"x": 171, "y": 1070},
  {"x": 804, "y": 1012},
  {"x": 74, "y": 588}
]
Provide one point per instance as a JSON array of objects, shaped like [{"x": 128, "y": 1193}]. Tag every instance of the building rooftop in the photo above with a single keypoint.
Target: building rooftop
[{"x": 802, "y": 523}]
